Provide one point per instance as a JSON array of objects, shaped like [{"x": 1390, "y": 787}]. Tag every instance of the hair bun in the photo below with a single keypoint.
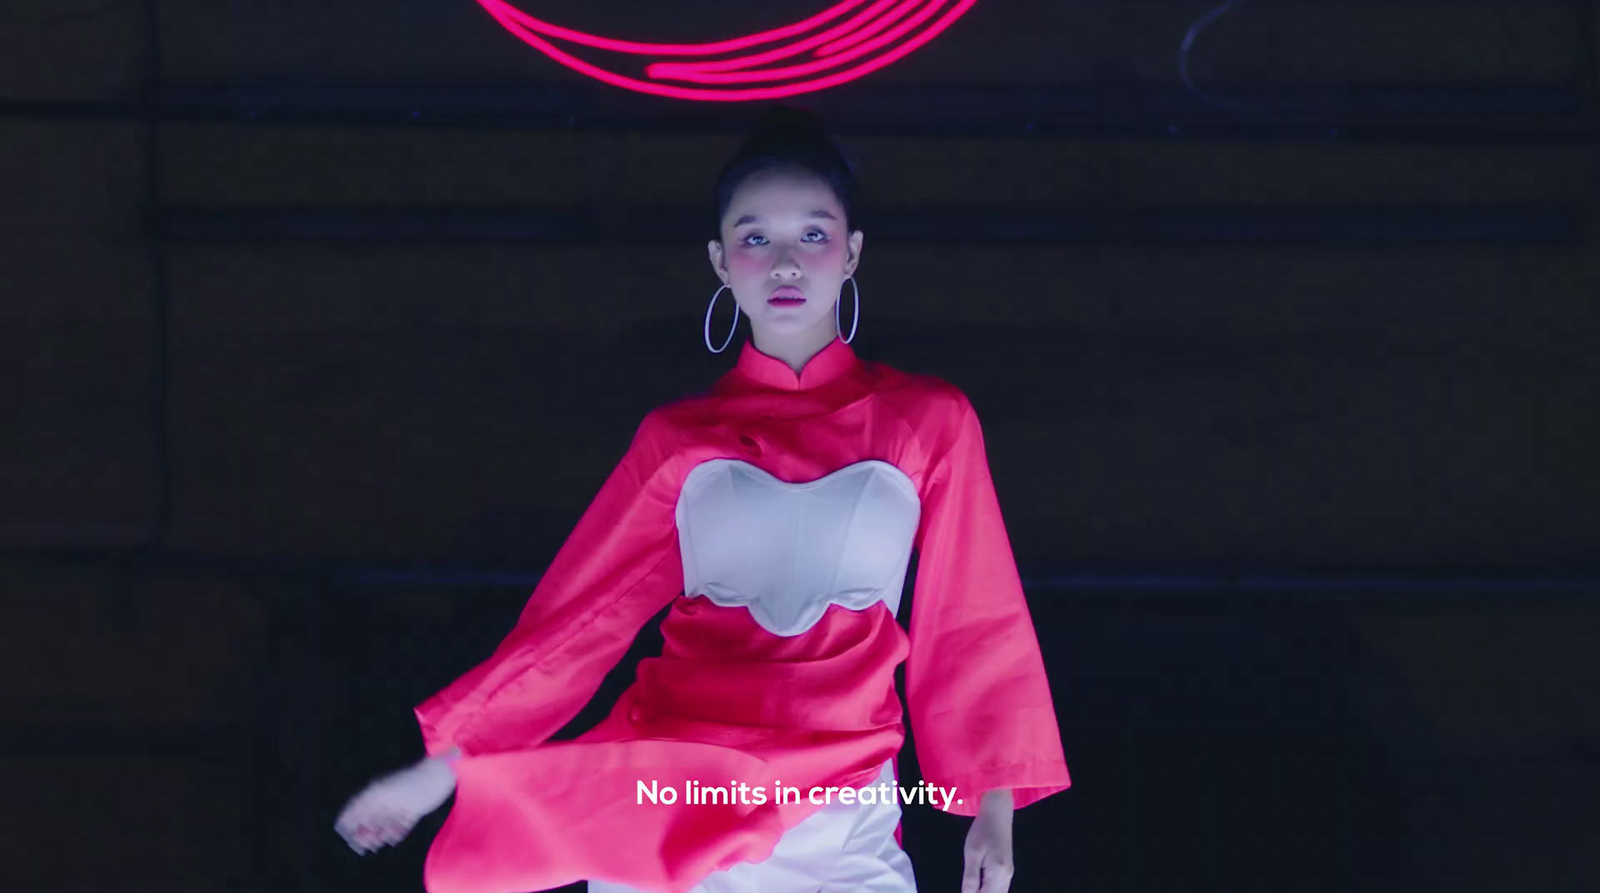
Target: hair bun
[{"x": 788, "y": 137}]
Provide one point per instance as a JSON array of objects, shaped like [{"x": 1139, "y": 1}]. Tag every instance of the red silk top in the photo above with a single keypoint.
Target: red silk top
[{"x": 729, "y": 702}]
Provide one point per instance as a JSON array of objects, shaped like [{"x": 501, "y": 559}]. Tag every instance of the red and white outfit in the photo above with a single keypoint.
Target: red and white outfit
[{"x": 775, "y": 515}]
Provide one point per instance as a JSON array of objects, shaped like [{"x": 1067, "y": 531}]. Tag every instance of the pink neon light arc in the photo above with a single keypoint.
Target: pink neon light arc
[
  {"x": 849, "y": 41},
  {"x": 855, "y": 25},
  {"x": 687, "y": 72},
  {"x": 859, "y": 27}
]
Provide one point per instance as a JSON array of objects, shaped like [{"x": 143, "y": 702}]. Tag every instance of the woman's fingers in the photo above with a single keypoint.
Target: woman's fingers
[
  {"x": 972, "y": 859},
  {"x": 378, "y": 831},
  {"x": 354, "y": 824},
  {"x": 362, "y": 832},
  {"x": 346, "y": 831},
  {"x": 374, "y": 819}
]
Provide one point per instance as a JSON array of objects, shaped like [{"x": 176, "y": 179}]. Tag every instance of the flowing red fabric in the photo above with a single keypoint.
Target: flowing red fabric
[{"x": 727, "y": 702}]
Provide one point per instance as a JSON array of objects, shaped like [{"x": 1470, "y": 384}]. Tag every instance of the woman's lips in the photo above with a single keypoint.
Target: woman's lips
[{"x": 787, "y": 296}]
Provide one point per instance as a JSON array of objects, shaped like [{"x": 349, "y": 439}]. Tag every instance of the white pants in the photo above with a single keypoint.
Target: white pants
[{"x": 840, "y": 847}]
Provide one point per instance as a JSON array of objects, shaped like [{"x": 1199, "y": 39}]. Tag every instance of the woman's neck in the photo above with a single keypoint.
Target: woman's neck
[{"x": 797, "y": 349}]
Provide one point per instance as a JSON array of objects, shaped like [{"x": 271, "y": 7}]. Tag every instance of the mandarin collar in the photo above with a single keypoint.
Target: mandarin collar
[{"x": 828, "y": 364}]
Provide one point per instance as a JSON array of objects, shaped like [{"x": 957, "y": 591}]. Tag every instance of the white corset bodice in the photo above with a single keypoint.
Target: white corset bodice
[{"x": 787, "y": 551}]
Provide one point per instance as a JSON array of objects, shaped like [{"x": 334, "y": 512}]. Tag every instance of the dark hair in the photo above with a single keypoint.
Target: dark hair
[{"x": 789, "y": 137}]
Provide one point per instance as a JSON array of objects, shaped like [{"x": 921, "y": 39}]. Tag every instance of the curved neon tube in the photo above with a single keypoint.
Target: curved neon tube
[
  {"x": 688, "y": 72},
  {"x": 833, "y": 37},
  {"x": 840, "y": 43},
  {"x": 855, "y": 25}
]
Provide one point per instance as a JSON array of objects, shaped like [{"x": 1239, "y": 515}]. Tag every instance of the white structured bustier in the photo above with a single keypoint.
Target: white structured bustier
[{"x": 787, "y": 551}]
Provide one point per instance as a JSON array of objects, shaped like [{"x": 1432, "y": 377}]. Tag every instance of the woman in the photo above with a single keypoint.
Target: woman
[{"x": 776, "y": 516}]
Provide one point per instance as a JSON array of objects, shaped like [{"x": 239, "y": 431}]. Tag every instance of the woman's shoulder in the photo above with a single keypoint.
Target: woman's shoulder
[
  {"x": 918, "y": 393},
  {"x": 672, "y": 418}
]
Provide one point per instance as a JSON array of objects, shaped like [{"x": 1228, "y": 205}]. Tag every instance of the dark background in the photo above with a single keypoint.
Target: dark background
[{"x": 322, "y": 322}]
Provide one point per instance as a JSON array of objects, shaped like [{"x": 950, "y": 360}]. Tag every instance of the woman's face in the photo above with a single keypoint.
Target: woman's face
[{"x": 784, "y": 235}]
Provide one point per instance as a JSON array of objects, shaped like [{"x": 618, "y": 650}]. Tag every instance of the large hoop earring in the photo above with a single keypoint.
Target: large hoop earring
[
  {"x": 854, "y": 321},
  {"x": 712, "y": 306}
]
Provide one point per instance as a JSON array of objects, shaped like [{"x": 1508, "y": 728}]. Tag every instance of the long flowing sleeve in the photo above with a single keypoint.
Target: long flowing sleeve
[
  {"x": 979, "y": 702},
  {"x": 618, "y": 567}
]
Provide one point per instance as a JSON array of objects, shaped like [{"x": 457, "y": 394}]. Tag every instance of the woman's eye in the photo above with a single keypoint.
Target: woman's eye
[{"x": 756, "y": 240}]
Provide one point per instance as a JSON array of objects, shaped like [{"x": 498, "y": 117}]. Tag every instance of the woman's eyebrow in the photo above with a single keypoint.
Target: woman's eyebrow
[{"x": 819, "y": 214}]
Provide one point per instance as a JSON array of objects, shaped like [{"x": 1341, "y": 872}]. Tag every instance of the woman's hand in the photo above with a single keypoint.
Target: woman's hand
[
  {"x": 988, "y": 849},
  {"x": 385, "y": 811}
]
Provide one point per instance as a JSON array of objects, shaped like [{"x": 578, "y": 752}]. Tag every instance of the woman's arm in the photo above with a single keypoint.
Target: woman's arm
[
  {"x": 980, "y": 706},
  {"x": 997, "y": 800},
  {"x": 448, "y": 758},
  {"x": 617, "y": 569}
]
